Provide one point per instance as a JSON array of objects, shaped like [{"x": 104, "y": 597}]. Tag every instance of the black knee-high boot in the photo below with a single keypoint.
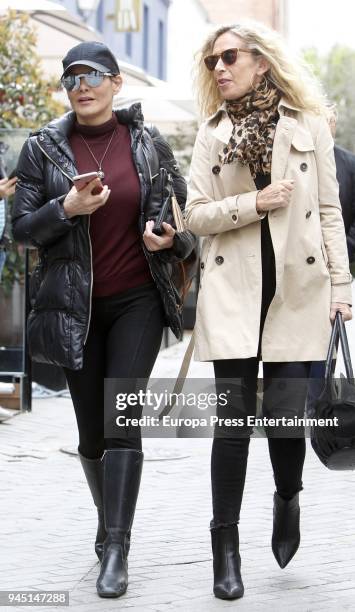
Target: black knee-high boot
[
  {"x": 122, "y": 474},
  {"x": 94, "y": 475}
]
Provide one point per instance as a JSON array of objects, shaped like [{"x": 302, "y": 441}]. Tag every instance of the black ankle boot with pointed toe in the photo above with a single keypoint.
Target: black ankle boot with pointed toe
[
  {"x": 228, "y": 582},
  {"x": 286, "y": 528}
]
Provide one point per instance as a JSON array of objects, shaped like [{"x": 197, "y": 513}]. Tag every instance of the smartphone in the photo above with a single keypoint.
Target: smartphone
[
  {"x": 81, "y": 180},
  {"x": 163, "y": 216}
]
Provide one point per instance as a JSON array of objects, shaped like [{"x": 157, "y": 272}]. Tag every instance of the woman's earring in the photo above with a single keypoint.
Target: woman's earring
[
  {"x": 261, "y": 87},
  {"x": 265, "y": 85}
]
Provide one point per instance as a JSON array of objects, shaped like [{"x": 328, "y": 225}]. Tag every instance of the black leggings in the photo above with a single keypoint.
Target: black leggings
[
  {"x": 230, "y": 454},
  {"x": 123, "y": 343}
]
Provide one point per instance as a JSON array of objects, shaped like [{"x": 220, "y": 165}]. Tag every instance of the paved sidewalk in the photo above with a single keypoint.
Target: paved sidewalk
[{"x": 48, "y": 522}]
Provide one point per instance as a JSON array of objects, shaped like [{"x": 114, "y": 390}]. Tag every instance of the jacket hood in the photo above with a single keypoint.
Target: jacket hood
[
  {"x": 63, "y": 125},
  {"x": 58, "y": 130}
]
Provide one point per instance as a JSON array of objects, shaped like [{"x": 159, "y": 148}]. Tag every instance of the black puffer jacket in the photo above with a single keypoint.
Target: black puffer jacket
[{"x": 61, "y": 284}]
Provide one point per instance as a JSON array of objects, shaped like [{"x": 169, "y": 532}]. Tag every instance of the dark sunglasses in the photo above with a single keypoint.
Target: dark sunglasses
[
  {"x": 71, "y": 82},
  {"x": 229, "y": 57}
]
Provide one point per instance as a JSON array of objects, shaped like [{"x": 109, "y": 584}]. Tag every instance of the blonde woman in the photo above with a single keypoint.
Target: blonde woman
[{"x": 274, "y": 264}]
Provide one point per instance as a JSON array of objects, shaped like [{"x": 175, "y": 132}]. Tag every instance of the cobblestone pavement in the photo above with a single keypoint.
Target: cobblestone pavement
[{"x": 48, "y": 522}]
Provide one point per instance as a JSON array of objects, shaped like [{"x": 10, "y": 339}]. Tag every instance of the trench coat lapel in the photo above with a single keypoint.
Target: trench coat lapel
[
  {"x": 223, "y": 130},
  {"x": 285, "y": 130}
]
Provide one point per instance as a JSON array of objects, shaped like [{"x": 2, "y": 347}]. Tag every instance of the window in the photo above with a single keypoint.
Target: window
[
  {"x": 161, "y": 72},
  {"x": 128, "y": 44},
  {"x": 145, "y": 37},
  {"x": 100, "y": 17}
]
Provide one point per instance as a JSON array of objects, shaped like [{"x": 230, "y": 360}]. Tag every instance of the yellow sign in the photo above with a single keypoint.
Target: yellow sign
[{"x": 127, "y": 15}]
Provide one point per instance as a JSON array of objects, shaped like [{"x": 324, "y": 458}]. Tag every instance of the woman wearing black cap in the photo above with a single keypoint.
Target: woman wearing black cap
[{"x": 102, "y": 291}]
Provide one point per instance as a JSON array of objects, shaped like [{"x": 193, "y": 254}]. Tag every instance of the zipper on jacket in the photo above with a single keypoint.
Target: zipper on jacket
[
  {"x": 151, "y": 176},
  {"x": 53, "y": 162},
  {"x": 141, "y": 220},
  {"x": 91, "y": 265},
  {"x": 143, "y": 195},
  {"x": 141, "y": 223},
  {"x": 91, "y": 282}
]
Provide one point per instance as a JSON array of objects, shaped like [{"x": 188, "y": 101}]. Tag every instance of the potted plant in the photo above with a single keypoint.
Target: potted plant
[{"x": 26, "y": 102}]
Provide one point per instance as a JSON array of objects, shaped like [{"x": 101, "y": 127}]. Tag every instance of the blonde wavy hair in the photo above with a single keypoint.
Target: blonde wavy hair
[{"x": 292, "y": 76}]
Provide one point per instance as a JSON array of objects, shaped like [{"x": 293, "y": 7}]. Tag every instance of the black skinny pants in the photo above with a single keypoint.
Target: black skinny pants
[
  {"x": 230, "y": 454},
  {"x": 123, "y": 343}
]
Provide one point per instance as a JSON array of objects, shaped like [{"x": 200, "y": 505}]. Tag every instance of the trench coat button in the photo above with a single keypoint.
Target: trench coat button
[
  {"x": 310, "y": 260},
  {"x": 304, "y": 166},
  {"x": 202, "y": 265},
  {"x": 234, "y": 217},
  {"x": 308, "y": 214},
  {"x": 216, "y": 169},
  {"x": 219, "y": 260},
  {"x": 41, "y": 137}
]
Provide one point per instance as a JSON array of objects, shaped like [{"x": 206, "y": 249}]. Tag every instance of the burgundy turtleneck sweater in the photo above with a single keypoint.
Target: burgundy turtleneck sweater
[{"x": 118, "y": 259}]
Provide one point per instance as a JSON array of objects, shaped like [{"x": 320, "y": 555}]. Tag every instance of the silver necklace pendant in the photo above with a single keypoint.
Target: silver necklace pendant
[{"x": 100, "y": 172}]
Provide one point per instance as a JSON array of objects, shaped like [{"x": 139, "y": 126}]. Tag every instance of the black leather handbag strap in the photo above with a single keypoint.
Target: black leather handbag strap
[
  {"x": 339, "y": 331},
  {"x": 345, "y": 347},
  {"x": 333, "y": 344}
]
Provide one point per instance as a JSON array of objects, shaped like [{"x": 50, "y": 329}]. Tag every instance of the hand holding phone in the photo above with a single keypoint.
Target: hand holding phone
[
  {"x": 81, "y": 180},
  {"x": 84, "y": 201}
]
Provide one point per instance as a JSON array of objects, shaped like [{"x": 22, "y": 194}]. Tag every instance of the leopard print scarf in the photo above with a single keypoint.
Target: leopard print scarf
[{"x": 254, "y": 118}]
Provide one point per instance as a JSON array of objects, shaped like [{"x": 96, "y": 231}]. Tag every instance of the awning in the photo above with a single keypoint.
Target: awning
[
  {"x": 58, "y": 30},
  {"x": 165, "y": 106}
]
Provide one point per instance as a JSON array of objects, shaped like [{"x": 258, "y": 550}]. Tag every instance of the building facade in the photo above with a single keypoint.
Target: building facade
[
  {"x": 145, "y": 48},
  {"x": 271, "y": 12},
  {"x": 190, "y": 21},
  {"x": 188, "y": 25}
]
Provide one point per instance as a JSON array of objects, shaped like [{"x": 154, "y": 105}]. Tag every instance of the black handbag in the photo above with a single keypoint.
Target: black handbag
[{"x": 335, "y": 444}]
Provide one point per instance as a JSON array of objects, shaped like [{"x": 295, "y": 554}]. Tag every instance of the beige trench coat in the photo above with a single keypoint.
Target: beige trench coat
[{"x": 308, "y": 236}]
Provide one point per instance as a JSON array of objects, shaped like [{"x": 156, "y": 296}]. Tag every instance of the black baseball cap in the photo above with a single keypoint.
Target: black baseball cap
[{"x": 93, "y": 54}]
